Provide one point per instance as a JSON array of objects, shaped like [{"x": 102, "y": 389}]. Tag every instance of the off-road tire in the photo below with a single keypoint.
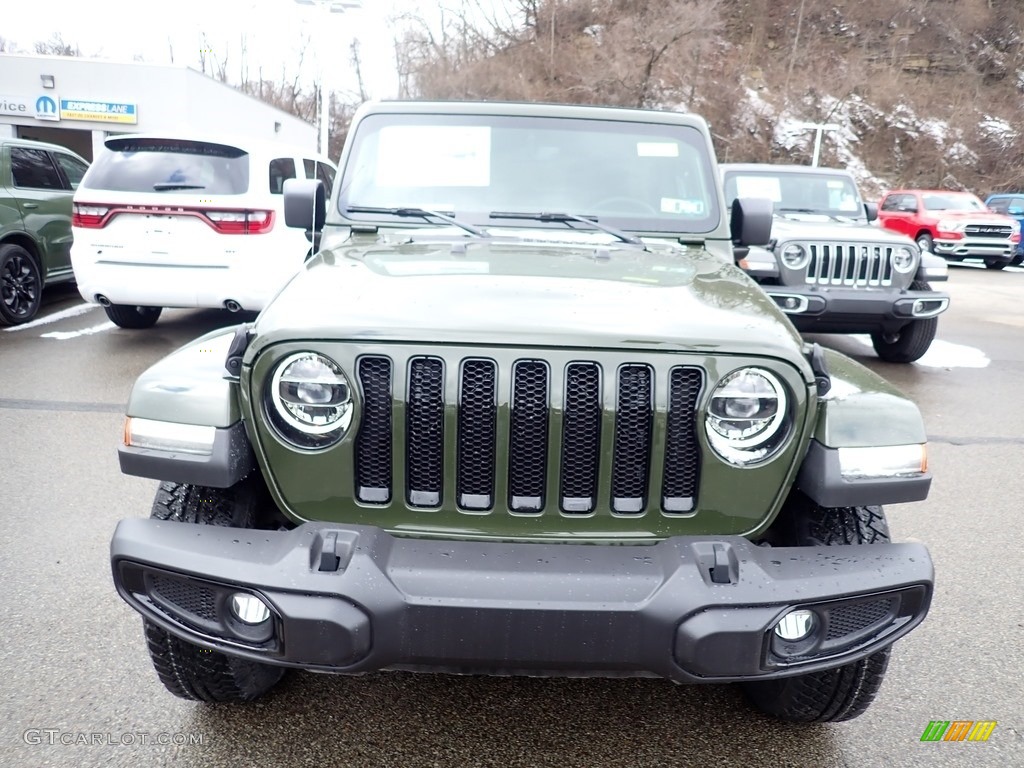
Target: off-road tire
[
  {"x": 912, "y": 340},
  {"x": 996, "y": 264},
  {"x": 21, "y": 285},
  {"x": 832, "y": 695},
  {"x": 127, "y": 316},
  {"x": 186, "y": 670}
]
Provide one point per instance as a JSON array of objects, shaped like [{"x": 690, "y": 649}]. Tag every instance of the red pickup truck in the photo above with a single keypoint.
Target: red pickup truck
[{"x": 954, "y": 225}]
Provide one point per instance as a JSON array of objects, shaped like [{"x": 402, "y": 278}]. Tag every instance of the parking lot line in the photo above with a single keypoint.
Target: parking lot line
[
  {"x": 78, "y": 309},
  {"x": 64, "y": 335}
]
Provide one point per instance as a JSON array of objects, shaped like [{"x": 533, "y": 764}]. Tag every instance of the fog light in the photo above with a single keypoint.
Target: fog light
[
  {"x": 791, "y": 303},
  {"x": 249, "y": 609},
  {"x": 795, "y": 625}
]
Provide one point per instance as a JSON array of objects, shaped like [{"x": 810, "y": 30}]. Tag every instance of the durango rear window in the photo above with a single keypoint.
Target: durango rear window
[{"x": 170, "y": 165}]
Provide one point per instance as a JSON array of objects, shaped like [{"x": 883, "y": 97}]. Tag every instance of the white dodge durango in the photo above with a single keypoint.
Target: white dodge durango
[{"x": 187, "y": 222}]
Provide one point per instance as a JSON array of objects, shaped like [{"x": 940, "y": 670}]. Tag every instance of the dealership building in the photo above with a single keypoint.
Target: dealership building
[{"x": 78, "y": 103}]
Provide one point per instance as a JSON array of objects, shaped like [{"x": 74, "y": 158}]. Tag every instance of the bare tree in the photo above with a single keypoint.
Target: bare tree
[{"x": 57, "y": 46}]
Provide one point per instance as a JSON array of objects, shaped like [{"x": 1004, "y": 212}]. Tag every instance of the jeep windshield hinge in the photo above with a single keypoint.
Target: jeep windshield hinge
[
  {"x": 233, "y": 363},
  {"x": 822, "y": 380}
]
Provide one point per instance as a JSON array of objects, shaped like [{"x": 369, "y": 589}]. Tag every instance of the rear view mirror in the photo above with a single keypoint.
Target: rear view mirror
[
  {"x": 751, "y": 221},
  {"x": 305, "y": 204}
]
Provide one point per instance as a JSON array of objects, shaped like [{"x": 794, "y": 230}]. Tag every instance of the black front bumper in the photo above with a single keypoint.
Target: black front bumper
[
  {"x": 829, "y": 309},
  {"x": 352, "y": 599}
]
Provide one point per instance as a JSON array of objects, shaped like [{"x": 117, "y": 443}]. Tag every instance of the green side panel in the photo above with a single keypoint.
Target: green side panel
[
  {"x": 320, "y": 485},
  {"x": 189, "y": 386},
  {"x": 862, "y": 409}
]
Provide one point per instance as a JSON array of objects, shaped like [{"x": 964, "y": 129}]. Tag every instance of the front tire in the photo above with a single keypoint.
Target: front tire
[
  {"x": 911, "y": 341},
  {"x": 996, "y": 264},
  {"x": 21, "y": 285},
  {"x": 127, "y": 316},
  {"x": 925, "y": 242},
  {"x": 186, "y": 670},
  {"x": 843, "y": 693}
]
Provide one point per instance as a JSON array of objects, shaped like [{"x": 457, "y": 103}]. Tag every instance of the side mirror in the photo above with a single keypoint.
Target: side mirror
[
  {"x": 305, "y": 205},
  {"x": 1013, "y": 210},
  {"x": 871, "y": 211},
  {"x": 751, "y": 221}
]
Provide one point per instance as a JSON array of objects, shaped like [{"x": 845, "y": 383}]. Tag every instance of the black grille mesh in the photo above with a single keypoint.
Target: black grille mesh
[
  {"x": 847, "y": 619},
  {"x": 472, "y": 449},
  {"x": 190, "y": 598},
  {"x": 634, "y": 419},
  {"x": 581, "y": 437},
  {"x": 682, "y": 454},
  {"x": 477, "y": 434},
  {"x": 373, "y": 443},
  {"x": 528, "y": 439},
  {"x": 424, "y": 429}
]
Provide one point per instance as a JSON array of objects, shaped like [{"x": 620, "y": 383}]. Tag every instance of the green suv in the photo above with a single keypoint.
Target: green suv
[
  {"x": 523, "y": 414},
  {"x": 37, "y": 181}
]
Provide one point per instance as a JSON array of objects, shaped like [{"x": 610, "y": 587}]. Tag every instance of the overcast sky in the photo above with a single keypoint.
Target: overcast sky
[{"x": 273, "y": 31}]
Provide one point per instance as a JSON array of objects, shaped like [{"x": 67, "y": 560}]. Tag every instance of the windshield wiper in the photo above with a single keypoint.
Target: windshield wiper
[
  {"x": 420, "y": 213},
  {"x": 565, "y": 218},
  {"x": 164, "y": 186}
]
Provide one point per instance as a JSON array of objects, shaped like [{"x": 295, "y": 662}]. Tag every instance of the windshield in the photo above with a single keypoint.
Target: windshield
[
  {"x": 831, "y": 195},
  {"x": 166, "y": 165},
  {"x": 637, "y": 176},
  {"x": 952, "y": 202}
]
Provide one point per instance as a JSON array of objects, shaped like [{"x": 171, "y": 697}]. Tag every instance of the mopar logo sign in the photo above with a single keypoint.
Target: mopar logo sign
[{"x": 47, "y": 109}]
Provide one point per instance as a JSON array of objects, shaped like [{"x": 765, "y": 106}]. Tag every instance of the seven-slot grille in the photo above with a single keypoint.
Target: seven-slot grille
[
  {"x": 849, "y": 264},
  {"x": 574, "y": 433}
]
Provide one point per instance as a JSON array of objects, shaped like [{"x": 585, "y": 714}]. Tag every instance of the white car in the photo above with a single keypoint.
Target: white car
[{"x": 165, "y": 221}]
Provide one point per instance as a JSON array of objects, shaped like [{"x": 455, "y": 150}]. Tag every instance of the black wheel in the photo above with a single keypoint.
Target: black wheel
[
  {"x": 911, "y": 341},
  {"x": 925, "y": 242},
  {"x": 832, "y": 695},
  {"x": 1018, "y": 259},
  {"x": 186, "y": 670},
  {"x": 996, "y": 264},
  {"x": 127, "y": 316},
  {"x": 21, "y": 285}
]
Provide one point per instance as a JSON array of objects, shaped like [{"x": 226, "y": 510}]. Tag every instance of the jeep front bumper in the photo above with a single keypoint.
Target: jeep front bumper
[
  {"x": 352, "y": 599},
  {"x": 837, "y": 309}
]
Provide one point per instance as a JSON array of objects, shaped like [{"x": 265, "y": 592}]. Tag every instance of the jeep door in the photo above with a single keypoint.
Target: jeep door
[{"x": 44, "y": 199}]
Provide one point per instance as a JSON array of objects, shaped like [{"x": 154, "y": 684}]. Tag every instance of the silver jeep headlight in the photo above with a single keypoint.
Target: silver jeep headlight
[
  {"x": 795, "y": 256},
  {"x": 902, "y": 259},
  {"x": 747, "y": 418},
  {"x": 310, "y": 400}
]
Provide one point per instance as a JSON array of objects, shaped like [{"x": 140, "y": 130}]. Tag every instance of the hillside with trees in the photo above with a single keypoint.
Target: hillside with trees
[{"x": 926, "y": 92}]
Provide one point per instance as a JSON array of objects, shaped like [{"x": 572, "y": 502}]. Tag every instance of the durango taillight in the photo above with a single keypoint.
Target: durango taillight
[
  {"x": 89, "y": 216},
  {"x": 241, "y": 222}
]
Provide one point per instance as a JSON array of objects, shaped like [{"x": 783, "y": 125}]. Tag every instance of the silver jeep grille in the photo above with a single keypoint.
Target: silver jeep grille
[
  {"x": 556, "y": 435},
  {"x": 851, "y": 265}
]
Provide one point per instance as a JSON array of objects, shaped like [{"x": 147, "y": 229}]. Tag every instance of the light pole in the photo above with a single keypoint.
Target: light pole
[
  {"x": 818, "y": 128},
  {"x": 328, "y": 7}
]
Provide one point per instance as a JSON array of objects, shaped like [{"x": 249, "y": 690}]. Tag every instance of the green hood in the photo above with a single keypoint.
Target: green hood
[{"x": 530, "y": 294}]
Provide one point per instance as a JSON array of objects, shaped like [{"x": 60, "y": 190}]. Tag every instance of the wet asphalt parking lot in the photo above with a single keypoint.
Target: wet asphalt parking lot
[{"x": 77, "y": 688}]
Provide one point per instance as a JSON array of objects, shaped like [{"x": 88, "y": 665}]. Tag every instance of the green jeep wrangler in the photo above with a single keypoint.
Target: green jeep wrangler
[{"x": 523, "y": 414}]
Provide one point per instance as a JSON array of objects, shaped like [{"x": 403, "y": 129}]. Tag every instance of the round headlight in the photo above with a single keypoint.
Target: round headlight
[
  {"x": 310, "y": 400},
  {"x": 747, "y": 418},
  {"x": 902, "y": 259},
  {"x": 795, "y": 256}
]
